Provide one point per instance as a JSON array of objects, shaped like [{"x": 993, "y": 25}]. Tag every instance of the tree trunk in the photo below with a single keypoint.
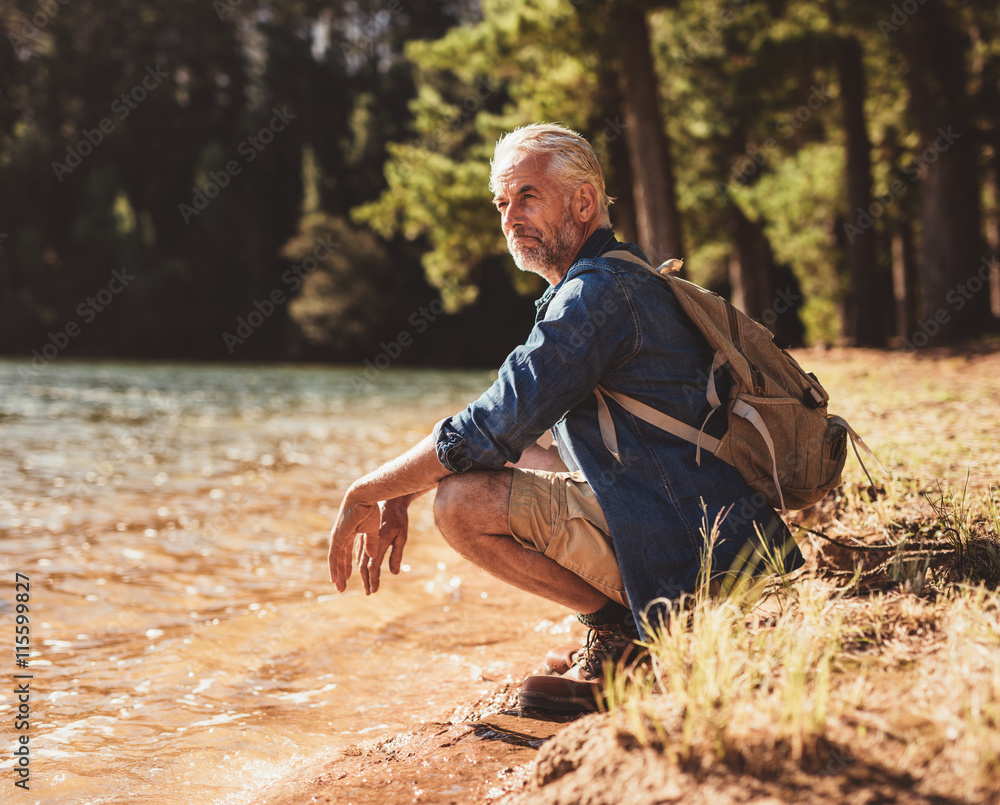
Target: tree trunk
[
  {"x": 750, "y": 264},
  {"x": 864, "y": 326},
  {"x": 985, "y": 92},
  {"x": 904, "y": 281},
  {"x": 950, "y": 239},
  {"x": 993, "y": 233},
  {"x": 657, "y": 218},
  {"x": 610, "y": 129}
]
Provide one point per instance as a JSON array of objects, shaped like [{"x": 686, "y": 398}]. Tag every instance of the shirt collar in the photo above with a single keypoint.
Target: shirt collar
[{"x": 599, "y": 242}]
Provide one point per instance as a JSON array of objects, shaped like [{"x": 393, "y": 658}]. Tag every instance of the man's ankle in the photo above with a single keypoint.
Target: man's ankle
[{"x": 611, "y": 616}]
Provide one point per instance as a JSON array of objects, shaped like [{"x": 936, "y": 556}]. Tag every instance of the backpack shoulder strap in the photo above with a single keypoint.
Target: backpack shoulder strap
[
  {"x": 647, "y": 414},
  {"x": 644, "y": 412},
  {"x": 666, "y": 268}
]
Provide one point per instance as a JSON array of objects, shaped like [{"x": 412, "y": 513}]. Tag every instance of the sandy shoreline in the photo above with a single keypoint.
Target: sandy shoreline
[
  {"x": 483, "y": 752},
  {"x": 492, "y": 753}
]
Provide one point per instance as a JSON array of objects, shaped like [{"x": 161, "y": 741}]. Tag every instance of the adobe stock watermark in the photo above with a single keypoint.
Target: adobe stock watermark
[
  {"x": 88, "y": 311},
  {"x": 468, "y": 106},
  {"x": 250, "y": 148},
  {"x": 30, "y": 30},
  {"x": 784, "y": 301},
  {"x": 957, "y": 298},
  {"x": 786, "y": 127},
  {"x": 264, "y": 308},
  {"x": 420, "y": 320},
  {"x": 365, "y": 37},
  {"x": 121, "y": 108},
  {"x": 612, "y": 131},
  {"x": 274, "y": 643},
  {"x": 133, "y": 443},
  {"x": 224, "y": 8},
  {"x": 915, "y": 170},
  {"x": 901, "y": 13},
  {"x": 837, "y": 761},
  {"x": 710, "y": 33}
]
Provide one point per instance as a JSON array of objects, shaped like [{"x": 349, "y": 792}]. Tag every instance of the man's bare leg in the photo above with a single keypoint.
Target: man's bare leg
[{"x": 471, "y": 511}]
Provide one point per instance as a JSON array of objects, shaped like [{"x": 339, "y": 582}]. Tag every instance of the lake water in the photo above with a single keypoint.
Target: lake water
[{"x": 185, "y": 643}]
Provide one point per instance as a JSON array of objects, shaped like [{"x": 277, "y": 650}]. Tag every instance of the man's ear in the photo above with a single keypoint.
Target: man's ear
[{"x": 584, "y": 203}]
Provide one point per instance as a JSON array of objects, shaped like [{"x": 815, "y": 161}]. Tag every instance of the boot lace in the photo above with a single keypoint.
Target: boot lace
[{"x": 603, "y": 645}]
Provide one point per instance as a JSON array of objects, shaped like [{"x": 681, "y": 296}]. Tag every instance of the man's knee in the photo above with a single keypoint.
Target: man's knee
[
  {"x": 448, "y": 501},
  {"x": 473, "y": 501}
]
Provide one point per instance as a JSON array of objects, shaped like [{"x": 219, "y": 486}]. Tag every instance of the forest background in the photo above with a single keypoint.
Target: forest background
[{"x": 299, "y": 180}]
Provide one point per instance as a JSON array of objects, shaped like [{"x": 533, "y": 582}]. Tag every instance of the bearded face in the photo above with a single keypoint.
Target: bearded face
[
  {"x": 540, "y": 250},
  {"x": 542, "y": 233}
]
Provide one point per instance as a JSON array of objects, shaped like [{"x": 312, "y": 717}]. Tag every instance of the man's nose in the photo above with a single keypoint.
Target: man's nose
[{"x": 510, "y": 217}]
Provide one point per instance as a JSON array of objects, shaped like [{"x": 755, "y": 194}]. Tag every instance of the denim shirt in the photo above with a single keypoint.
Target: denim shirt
[{"x": 613, "y": 322}]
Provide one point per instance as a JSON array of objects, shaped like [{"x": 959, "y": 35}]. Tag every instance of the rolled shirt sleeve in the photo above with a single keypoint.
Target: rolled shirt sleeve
[{"x": 586, "y": 329}]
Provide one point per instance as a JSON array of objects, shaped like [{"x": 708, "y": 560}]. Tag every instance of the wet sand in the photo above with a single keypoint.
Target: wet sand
[{"x": 481, "y": 753}]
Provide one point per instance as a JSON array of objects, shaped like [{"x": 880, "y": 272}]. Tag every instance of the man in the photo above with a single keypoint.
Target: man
[{"x": 615, "y": 539}]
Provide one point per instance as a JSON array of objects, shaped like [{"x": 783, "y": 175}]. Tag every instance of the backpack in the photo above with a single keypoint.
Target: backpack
[{"x": 780, "y": 437}]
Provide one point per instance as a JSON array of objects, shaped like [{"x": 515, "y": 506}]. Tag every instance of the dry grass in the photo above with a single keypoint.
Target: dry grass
[{"x": 882, "y": 658}]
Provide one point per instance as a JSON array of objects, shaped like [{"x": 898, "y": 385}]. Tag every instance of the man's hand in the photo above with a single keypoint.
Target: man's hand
[
  {"x": 371, "y": 530},
  {"x": 354, "y": 521},
  {"x": 373, "y": 514},
  {"x": 392, "y": 532}
]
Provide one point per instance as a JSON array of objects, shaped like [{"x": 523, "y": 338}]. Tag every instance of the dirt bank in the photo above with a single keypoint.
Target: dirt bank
[
  {"x": 493, "y": 753},
  {"x": 479, "y": 753}
]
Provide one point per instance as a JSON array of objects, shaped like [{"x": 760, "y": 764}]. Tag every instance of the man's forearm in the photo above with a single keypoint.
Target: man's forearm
[{"x": 415, "y": 471}]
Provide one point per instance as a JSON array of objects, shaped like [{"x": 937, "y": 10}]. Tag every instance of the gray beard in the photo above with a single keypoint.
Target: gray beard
[{"x": 550, "y": 252}]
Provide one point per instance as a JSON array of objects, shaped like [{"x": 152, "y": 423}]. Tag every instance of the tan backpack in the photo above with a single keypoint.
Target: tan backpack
[{"x": 780, "y": 437}]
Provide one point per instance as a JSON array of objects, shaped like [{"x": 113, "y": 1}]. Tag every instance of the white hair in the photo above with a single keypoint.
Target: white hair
[{"x": 573, "y": 161}]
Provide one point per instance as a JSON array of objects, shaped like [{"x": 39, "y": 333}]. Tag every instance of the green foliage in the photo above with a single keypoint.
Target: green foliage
[
  {"x": 397, "y": 106},
  {"x": 799, "y": 201},
  {"x": 472, "y": 86},
  {"x": 446, "y": 200},
  {"x": 338, "y": 304}
]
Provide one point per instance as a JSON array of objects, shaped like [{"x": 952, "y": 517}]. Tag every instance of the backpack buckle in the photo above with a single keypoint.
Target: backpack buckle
[{"x": 812, "y": 398}]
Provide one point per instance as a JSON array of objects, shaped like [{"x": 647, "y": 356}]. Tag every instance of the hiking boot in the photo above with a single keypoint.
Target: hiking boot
[
  {"x": 579, "y": 688},
  {"x": 561, "y": 658}
]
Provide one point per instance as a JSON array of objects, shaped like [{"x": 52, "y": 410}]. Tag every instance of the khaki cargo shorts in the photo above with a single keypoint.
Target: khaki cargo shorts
[{"x": 557, "y": 514}]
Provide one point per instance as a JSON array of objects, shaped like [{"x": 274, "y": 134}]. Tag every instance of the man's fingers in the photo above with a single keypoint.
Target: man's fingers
[
  {"x": 375, "y": 562},
  {"x": 346, "y": 565},
  {"x": 344, "y": 540},
  {"x": 335, "y": 559},
  {"x": 365, "y": 569},
  {"x": 370, "y": 525},
  {"x": 396, "y": 557},
  {"x": 340, "y": 570},
  {"x": 374, "y": 573},
  {"x": 364, "y": 534}
]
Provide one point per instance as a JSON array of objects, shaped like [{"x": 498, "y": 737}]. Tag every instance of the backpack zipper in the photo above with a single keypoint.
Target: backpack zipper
[
  {"x": 758, "y": 380},
  {"x": 755, "y": 373},
  {"x": 734, "y": 330}
]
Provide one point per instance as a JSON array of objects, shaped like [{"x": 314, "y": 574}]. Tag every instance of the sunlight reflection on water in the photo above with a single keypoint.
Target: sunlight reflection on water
[{"x": 186, "y": 644}]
